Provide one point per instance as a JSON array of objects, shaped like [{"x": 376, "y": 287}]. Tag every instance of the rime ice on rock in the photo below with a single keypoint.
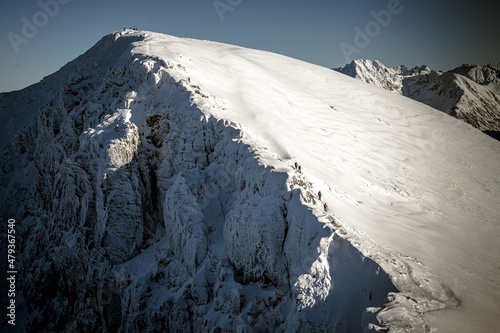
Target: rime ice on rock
[
  {"x": 184, "y": 213},
  {"x": 129, "y": 98}
]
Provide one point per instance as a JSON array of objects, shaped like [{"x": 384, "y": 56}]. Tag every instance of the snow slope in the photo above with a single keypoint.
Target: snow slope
[
  {"x": 197, "y": 141},
  {"x": 470, "y": 93}
]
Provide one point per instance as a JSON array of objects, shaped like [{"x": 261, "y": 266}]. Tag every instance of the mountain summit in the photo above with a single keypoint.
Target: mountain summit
[{"x": 153, "y": 185}]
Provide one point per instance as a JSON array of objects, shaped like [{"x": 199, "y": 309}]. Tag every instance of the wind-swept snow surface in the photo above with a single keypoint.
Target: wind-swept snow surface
[{"x": 163, "y": 196}]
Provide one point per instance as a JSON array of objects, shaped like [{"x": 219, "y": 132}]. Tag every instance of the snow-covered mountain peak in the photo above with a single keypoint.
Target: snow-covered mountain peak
[
  {"x": 480, "y": 74},
  {"x": 376, "y": 73},
  {"x": 155, "y": 186},
  {"x": 470, "y": 93}
]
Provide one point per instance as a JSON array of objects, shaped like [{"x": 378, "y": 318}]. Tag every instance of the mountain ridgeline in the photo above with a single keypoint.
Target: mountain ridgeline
[
  {"x": 470, "y": 93},
  {"x": 153, "y": 186}
]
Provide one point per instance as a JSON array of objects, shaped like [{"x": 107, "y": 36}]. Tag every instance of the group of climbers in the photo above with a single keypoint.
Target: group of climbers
[
  {"x": 299, "y": 168},
  {"x": 319, "y": 197}
]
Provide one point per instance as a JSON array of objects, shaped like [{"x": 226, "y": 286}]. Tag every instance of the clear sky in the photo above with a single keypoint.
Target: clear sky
[{"x": 39, "y": 37}]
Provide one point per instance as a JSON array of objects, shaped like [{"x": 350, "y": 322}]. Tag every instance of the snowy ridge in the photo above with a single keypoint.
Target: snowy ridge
[
  {"x": 376, "y": 73},
  {"x": 473, "y": 96},
  {"x": 162, "y": 196},
  {"x": 470, "y": 93}
]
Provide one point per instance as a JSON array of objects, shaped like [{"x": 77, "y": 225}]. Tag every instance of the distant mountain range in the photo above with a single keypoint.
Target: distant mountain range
[{"x": 469, "y": 92}]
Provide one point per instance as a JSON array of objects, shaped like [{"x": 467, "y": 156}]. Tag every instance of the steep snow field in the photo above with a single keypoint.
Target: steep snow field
[
  {"x": 413, "y": 194},
  {"x": 393, "y": 171}
]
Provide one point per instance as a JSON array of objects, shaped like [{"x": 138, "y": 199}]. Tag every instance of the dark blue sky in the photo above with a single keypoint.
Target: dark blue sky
[{"x": 440, "y": 34}]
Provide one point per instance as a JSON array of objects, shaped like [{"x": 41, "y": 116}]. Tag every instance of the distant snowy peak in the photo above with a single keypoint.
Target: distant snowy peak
[
  {"x": 483, "y": 75},
  {"x": 469, "y": 92},
  {"x": 376, "y": 73}
]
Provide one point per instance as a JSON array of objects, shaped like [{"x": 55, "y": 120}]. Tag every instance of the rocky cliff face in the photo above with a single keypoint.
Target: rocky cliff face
[
  {"x": 146, "y": 214},
  {"x": 470, "y": 93}
]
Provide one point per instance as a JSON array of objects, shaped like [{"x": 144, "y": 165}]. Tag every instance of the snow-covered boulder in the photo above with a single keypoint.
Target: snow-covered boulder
[{"x": 129, "y": 98}]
